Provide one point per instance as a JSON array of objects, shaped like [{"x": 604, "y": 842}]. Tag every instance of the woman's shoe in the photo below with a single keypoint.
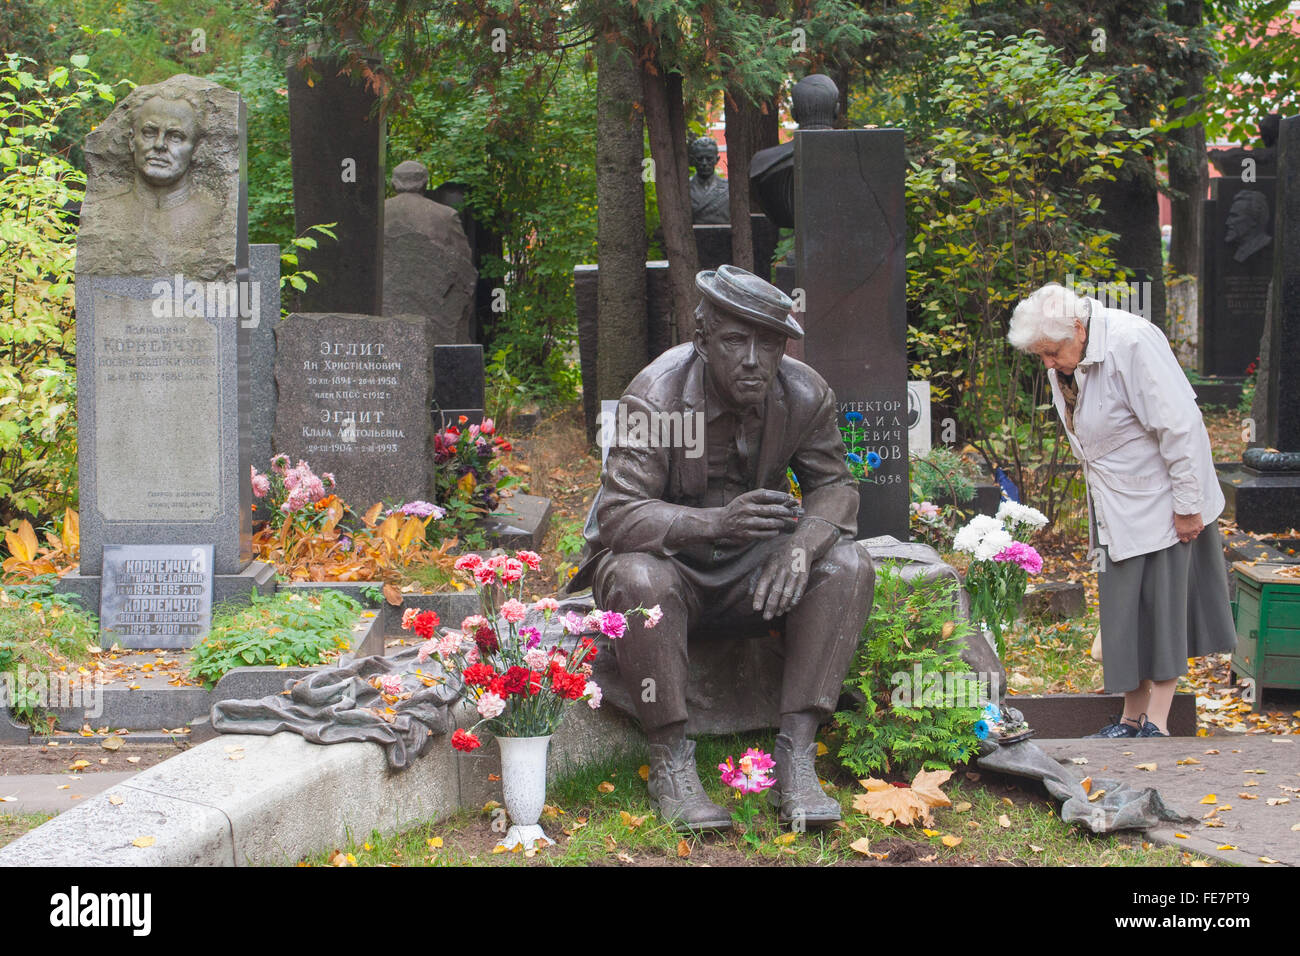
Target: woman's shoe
[{"x": 1117, "y": 728}]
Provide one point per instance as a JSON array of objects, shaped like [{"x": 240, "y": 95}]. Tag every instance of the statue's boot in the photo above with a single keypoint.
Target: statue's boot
[
  {"x": 676, "y": 791},
  {"x": 798, "y": 794}
]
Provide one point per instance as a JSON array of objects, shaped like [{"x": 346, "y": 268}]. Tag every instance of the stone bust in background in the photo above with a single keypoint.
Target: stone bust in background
[
  {"x": 710, "y": 203},
  {"x": 815, "y": 104},
  {"x": 428, "y": 266},
  {"x": 1247, "y": 224},
  {"x": 163, "y": 190}
]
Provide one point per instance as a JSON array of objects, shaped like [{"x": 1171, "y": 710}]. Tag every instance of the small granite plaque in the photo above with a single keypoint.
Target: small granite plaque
[{"x": 157, "y": 595}]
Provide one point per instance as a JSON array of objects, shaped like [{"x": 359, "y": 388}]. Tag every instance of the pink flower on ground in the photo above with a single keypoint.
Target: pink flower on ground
[
  {"x": 548, "y": 605},
  {"x": 574, "y": 624},
  {"x": 530, "y": 558},
  {"x": 448, "y": 644},
  {"x": 490, "y": 705},
  {"x": 485, "y": 575},
  {"x": 471, "y": 655},
  {"x": 751, "y": 775},
  {"x": 390, "y": 684},
  {"x": 653, "y": 616},
  {"x": 537, "y": 659},
  {"x": 513, "y": 570},
  {"x": 468, "y": 562},
  {"x": 613, "y": 624},
  {"x": 514, "y": 611},
  {"x": 594, "y": 694},
  {"x": 1021, "y": 554},
  {"x": 427, "y": 649}
]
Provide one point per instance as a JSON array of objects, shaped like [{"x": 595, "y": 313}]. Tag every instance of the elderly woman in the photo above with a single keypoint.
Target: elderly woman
[{"x": 1132, "y": 421}]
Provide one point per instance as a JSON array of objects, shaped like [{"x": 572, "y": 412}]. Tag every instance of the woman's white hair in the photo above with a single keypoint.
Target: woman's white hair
[{"x": 1047, "y": 314}]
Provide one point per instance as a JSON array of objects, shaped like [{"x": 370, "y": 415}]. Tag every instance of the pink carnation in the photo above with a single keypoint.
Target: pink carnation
[
  {"x": 473, "y": 623},
  {"x": 468, "y": 562},
  {"x": 497, "y": 562},
  {"x": 426, "y": 650},
  {"x": 261, "y": 484},
  {"x": 390, "y": 684},
  {"x": 549, "y": 605},
  {"x": 530, "y": 558},
  {"x": 449, "y": 644},
  {"x": 574, "y": 624},
  {"x": 490, "y": 705},
  {"x": 653, "y": 616},
  {"x": 537, "y": 659},
  {"x": 1023, "y": 555},
  {"x": 593, "y": 693},
  {"x": 514, "y": 611},
  {"x": 485, "y": 575},
  {"x": 513, "y": 570},
  {"x": 408, "y": 618},
  {"x": 613, "y": 624}
]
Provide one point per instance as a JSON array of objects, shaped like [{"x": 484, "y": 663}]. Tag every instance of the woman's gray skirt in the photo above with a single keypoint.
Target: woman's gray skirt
[{"x": 1159, "y": 609}]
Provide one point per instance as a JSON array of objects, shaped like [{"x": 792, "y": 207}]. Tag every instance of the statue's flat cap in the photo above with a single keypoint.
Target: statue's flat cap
[{"x": 747, "y": 297}]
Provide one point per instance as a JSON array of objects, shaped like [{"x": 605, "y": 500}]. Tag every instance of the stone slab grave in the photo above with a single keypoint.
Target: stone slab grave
[
  {"x": 149, "y": 703},
  {"x": 285, "y": 798},
  {"x": 156, "y": 595},
  {"x": 264, "y": 265},
  {"x": 1263, "y": 491},
  {"x": 353, "y": 393},
  {"x": 1257, "y": 765},
  {"x": 850, "y": 247},
  {"x": 165, "y": 301}
]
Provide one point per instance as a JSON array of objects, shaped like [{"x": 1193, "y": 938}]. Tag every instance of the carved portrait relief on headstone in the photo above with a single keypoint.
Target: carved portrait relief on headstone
[
  {"x": 710, "y": 202},
  {"x": 163, "y": 184},
  {"x": 1247, "y": 224},
  {"x": 428, "y": 266}
]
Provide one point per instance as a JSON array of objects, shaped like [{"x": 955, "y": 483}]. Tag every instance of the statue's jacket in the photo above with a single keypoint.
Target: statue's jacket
[{"x": 647, "y": 487}]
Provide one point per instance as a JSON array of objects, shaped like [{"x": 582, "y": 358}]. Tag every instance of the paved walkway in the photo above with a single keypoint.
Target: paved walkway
[
  {"x": 53, "y": 792},
  {"x": 1242, "y": 772}
]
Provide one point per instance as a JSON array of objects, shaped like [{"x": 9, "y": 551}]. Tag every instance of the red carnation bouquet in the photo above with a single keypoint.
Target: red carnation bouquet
[{"x": 518, "y": 687}]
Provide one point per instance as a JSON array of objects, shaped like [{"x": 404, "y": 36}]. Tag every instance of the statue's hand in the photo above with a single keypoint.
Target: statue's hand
[
  {"x": 753, "y": 516},
  {"x": 782, "y": 581}
]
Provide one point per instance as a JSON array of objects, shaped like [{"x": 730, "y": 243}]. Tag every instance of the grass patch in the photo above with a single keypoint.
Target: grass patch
[
  {"x": 594, "y": 828},
  {"x": 14, "y": 825},
  {"x": 40, "y": 633}
]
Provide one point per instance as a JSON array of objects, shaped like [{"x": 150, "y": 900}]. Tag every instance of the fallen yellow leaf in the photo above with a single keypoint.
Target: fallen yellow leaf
[
  {"x": 115, "y": 800},
  {"x": 951, "y": 841},
  {"x": 435, "y": 843},
  {"x": 822, "y": 749},
  {"x": 143, "y": 841},
  {"x": 111, "y": 743},
  {"x": 606, "y": 787},
  {"x": 1186, "y": 761},
  {"x": 931, "y": 833},
  {"x": 1181, "y": 836},
  {"x": 1209, "y": 798},
  {"x": 683, "y": 849},
  {"x": 785, "y": 839},
  {"x": 1227, "y": 846},
  {"x": 79, "y": 764},
  {"x": 961, "y": 807},
  {"x": 1004, "y": 821},
  {"x": 643, "y": 771},
  {"x": 1086, "y": 783},
  {"x": 1146, "y": 766}
]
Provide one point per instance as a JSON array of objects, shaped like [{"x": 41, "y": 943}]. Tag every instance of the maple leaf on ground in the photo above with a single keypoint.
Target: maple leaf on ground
[{"x": 905, "y": 805}]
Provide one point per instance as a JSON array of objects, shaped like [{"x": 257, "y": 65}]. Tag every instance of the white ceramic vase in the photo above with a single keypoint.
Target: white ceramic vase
[{"x": 523, "y": 789}]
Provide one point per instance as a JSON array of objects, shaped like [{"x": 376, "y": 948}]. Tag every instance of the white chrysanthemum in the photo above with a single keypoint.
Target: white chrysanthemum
[
  {"x": 968, "y": 538},
  {"x": 1017, "y": 513},
  {"x": 993, "y": 542}
]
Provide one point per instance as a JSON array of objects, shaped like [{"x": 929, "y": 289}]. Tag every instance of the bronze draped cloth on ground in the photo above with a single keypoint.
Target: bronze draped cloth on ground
[{"x": 340, "y": 705}]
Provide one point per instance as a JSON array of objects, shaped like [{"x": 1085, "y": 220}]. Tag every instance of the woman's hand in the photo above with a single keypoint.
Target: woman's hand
[{"x": 1188, "y": 526}]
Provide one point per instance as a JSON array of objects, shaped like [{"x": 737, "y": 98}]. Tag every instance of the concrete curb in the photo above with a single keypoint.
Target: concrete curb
[{"x": 243, "y": 800}]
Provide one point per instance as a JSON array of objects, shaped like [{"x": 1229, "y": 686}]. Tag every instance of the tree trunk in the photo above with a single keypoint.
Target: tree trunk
[
  {"x": 620, "y": 222},
  {"x": 1188, "y": 167},
  {"x": 664, "y": 119},
  {"x": 1130, "y": 207},
  {"x": 742, "y": 132}
]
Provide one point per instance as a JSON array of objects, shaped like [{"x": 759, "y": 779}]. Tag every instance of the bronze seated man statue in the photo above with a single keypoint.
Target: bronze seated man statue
[{"x": 709, "y": 531}]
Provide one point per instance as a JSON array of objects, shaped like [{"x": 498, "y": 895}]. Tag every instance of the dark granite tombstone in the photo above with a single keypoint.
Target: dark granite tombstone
[
  {"x": 850, "y": 233},
  {"x": 427, "y": 266},
  {"x": 659, "y": 327},
  {"x": 1263, "y": 492},
  {"x": 264, "y": 265},
  {"x": 713, "y": 244},
  {"x": 459, "y": 387},
  {"x": 337, "y": 149},
  {"x": 353, "y": 399},
  {"x": 1237, "y": 263}
]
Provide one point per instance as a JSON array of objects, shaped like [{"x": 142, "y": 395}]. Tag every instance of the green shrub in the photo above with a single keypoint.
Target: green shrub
[
  {"x": 289, "y": 629},
  {"x": 38, "y": 243},
  {"x": 40, "y": 632},
  {"x": 942, "y": 473},
  {"x": 899, "y": 727}
]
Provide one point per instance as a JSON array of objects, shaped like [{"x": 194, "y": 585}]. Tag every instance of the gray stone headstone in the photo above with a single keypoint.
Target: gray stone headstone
[
  {"x": 337, "y": 146},
  {"x": 156, "y": 595},
  {"x": 850, "y": 247},
  {"x": 163, "y": 308},
  {"x": 428, "y": 266},
  {"x": 264, "y": 262},
  {"x": 1237, "y": 263},
  {"x": 353, "y": 399}
]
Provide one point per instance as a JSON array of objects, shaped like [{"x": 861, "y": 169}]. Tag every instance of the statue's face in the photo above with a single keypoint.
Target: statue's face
[
  {"x": 162, "y": 140},
  {"x": 742, "y": 358},
  {"x": 704, "y": 161},
  {"x": 1241, "y": 221}
]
